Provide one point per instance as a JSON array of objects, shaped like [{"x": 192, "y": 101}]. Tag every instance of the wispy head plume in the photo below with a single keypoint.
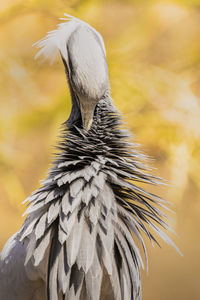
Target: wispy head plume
[{"x": 56, "y": 40}]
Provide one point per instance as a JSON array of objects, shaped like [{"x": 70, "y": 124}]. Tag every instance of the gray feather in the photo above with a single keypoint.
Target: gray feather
[
  {"x": 93, "y": 285},
  {"x": 53, "y": 211},
  {"x": 76, "y": 186},
  {"x": 41, "y": 226},
  {"x": 87, "y": 248},
  {"x": 74, "y": 240},
  {"x": 41, "y": 248}
]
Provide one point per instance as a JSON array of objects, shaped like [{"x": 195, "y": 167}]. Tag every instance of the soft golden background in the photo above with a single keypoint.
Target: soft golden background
[{"x": 153, "y": 51}]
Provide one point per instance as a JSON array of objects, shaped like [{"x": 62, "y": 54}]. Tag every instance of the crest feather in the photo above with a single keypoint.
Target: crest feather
[{"x": 56, "y": 40}]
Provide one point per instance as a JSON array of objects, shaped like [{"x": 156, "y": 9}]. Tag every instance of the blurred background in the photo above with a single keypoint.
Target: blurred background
[{"x": 153, "y": 52}]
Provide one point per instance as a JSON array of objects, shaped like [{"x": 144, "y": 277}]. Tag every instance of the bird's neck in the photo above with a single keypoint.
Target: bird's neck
[
  {"x": 75, "y": 115},
  {"x": 79, "y": 148}
]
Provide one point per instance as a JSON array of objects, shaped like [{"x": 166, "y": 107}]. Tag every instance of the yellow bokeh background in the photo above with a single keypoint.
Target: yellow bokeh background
[{"x": 153, "y": 52}]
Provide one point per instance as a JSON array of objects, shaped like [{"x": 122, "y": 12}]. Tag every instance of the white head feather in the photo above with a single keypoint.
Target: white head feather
[{"x": 56, "y": 40}]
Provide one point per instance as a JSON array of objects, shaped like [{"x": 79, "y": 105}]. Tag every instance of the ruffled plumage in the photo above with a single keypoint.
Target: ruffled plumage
[{"x": 90, "y": 214}]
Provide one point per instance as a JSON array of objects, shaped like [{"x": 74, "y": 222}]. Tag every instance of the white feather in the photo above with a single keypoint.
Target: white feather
[
  {"x": 56, "y": 40},
  {"x": 73, "y": 242}
]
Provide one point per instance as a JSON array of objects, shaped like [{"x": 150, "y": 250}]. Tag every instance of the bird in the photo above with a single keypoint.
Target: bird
[{"x": 85, "y": 225}]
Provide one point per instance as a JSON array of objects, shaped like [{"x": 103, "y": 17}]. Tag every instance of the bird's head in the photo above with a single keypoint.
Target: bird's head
[{"x": 83, "y": 53}]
